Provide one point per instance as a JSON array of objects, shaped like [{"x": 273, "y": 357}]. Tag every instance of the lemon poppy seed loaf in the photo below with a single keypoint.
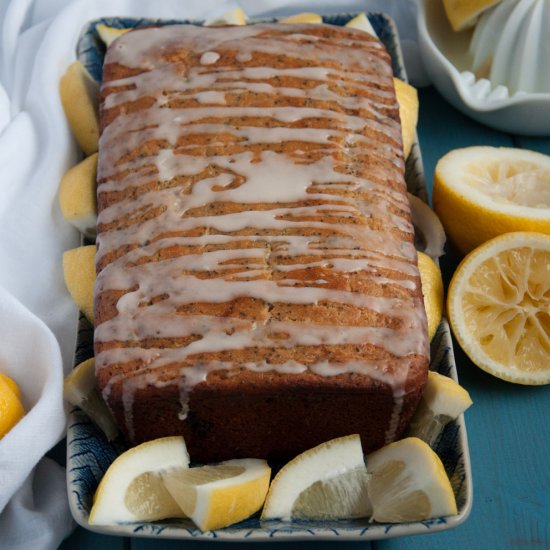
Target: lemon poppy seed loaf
[{"x": 257, "y": 289}]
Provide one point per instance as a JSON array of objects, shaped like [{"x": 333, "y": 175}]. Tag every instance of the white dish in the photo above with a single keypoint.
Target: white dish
[{"x": 447, "y": 61}]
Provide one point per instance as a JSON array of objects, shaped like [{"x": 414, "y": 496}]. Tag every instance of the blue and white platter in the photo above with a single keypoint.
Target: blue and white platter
[{"x": 89, "y": 454}]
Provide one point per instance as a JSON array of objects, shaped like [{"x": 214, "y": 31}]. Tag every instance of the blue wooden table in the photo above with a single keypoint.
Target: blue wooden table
[{"x": 508, "y": 425}]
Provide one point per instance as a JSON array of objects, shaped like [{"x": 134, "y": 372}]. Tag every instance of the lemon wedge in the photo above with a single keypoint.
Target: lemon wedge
[
  {"x": 132, "y": 488},
  {"x": 77, "y": 196},
  {"x": 362, "y": 23},
  {"x": 218, "y": 495},
  {"x": 79, "y": 273},
  {"x": 482, "y": 192},
  {"x": 429, "y": 235},
  {"x": 11, "y": 408},
  {"x": 235, "y": 16},
  {"x": 326, "y": 482},
  {"x": 306, "y": 17},
  {"x": 80, "y": 389},
  {"x": 109, "y": 34},
  {"x": 407, "y": 97},
  {"x": 499, "y": 307},
  {"x": 432, "y": 291},
  {"x": 463, "y": 14},
  {"x": 80, "y": 99},
  {"x": 443, "y": 400},
  {"x": 408, "y": 483}
]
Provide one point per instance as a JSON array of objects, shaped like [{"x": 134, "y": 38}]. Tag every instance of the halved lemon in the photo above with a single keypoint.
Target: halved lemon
[
  {"x": 132, "y": 488},
  {"x": 306, "y": 17},
  {"x": 482, "y": 192},
  {"x": 408, "y": 483},
  {"x": 218, "y": 495},
  {"x": 80, "y": 389},
  {"x": 79, "y": 273},
  {"x": 499, "y": 307},
  {"x": 326, "y": 482},
  {"x": 432, "y": 291},
  {"x": 463, "y": 14},
  {"x": 443, "y": 400}
]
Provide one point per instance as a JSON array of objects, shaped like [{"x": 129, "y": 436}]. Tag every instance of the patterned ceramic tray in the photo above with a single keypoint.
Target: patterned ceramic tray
[{"x": 89, "y": 454}]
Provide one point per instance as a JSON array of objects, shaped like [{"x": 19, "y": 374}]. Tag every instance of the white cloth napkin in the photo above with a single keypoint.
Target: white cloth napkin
[
  {"x": 38, "y": 319},
  {"x": 29, "y": 353}
]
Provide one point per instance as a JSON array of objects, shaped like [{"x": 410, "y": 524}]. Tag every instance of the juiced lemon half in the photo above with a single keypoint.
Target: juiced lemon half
[
  {"x": 408, "y": 483},
  {"x": 218, "y": 495},
  {"x": 326, "y": 482},
  {"x": 482, "y": 192},
  {"x": 132, "y": 488},
  {"x": 499, "y": 307}
]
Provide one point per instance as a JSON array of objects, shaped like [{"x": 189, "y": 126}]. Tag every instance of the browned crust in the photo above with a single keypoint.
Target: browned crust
[{"x": 295, "y": 411}]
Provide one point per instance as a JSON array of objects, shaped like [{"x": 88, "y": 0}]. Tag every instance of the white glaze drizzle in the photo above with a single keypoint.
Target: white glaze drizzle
[
  {"x": 209, "y": 58},
  {"x": 276, "y": 263}
]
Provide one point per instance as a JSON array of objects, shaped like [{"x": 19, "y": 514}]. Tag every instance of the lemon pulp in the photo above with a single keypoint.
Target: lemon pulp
[{"x": 499, "y": 307}]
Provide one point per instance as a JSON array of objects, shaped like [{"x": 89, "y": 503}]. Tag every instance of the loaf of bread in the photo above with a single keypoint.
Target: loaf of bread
[{"x": 257, "y": 289}]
